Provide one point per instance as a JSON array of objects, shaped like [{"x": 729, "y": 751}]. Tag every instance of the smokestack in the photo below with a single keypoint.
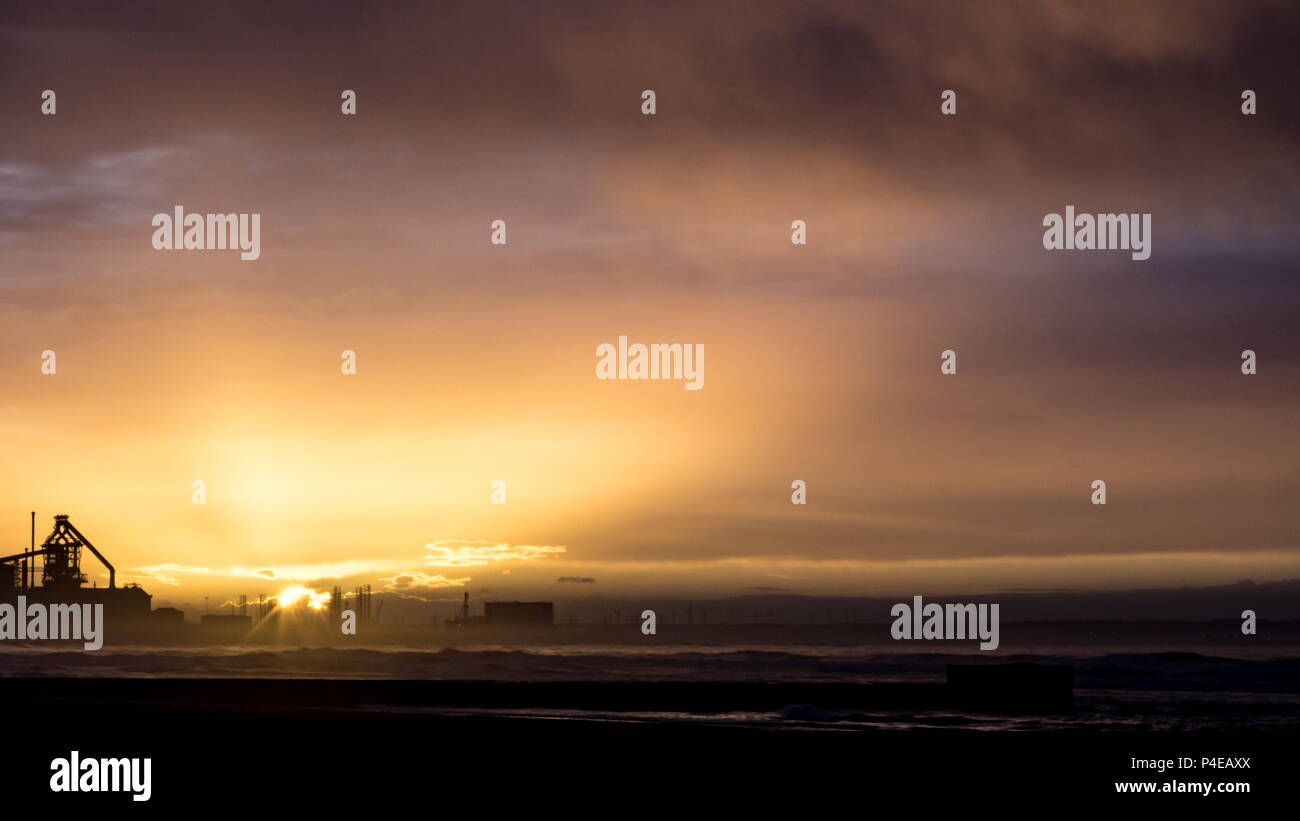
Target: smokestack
[{"x": 32, "y": 562}]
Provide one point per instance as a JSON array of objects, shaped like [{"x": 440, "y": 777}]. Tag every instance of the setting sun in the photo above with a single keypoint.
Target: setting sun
[{"x": 293, "y": 596}]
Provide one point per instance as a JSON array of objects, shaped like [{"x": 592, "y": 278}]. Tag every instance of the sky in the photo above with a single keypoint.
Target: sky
[{"x": 476, "y": 362}]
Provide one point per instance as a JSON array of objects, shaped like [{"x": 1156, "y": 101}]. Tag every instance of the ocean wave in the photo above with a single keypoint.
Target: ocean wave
[{"x": 1162, "y": 671}]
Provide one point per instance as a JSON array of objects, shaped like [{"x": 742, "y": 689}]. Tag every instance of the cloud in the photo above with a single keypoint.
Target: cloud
[
  {"x": 416, "y": 583},
  {"x": 103, "y": 189},
  {"x": 165, "y": 573},
  {"x": 445, "y": 553},
  {"x": 460, "y": 553},
  {"x": 168, "y": 573},
  {"x": 576, "y": 580}
]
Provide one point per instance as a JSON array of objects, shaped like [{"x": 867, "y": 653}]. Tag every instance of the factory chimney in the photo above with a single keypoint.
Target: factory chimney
[{"x": 27, "y": 585}]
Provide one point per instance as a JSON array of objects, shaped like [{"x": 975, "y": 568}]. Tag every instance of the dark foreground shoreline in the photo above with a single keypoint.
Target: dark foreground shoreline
[{"x": 320, "y": 745}]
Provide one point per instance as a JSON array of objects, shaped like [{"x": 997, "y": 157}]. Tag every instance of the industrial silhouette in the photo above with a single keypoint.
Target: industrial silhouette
[
  {"x": 129, "y": 613},
  {"x": 518, "y": 613},
  {"x": 62, "y": 580}
]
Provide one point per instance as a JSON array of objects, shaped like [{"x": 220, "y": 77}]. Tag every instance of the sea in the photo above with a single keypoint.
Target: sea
[{"x": 1133, "y": 688}]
